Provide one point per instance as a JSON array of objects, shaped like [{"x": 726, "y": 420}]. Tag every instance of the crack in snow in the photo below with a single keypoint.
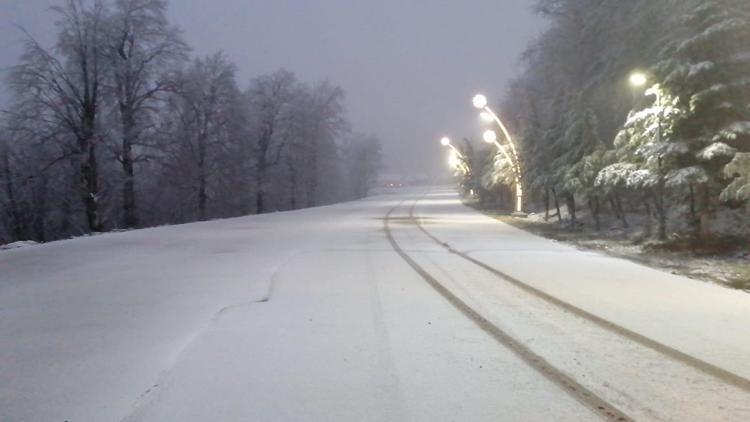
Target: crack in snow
[{"x": 151, "y": 394}]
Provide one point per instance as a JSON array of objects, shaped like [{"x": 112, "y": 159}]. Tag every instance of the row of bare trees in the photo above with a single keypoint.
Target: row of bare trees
[{"x": 116, "y": 126}]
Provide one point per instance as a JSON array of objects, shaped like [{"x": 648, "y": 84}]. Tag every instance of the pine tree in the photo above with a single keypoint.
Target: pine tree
[{"x": 705, "y": 68}]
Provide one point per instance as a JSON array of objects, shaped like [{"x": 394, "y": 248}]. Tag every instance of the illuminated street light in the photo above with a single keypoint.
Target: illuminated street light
[
  {"x": 456, "y": 159},
  {"x": 446, "y": 142},
  {"x": 486, "y": 116},
  {"x": 480, "y": 102},
  {"x": 638, "y": 79},
  {"x": 491, "y": 138}
]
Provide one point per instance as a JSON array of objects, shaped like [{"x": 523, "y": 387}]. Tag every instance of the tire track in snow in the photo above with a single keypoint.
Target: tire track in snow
[
  {"x": 569, "y": 385},
  {"x": 702, "y": 366}
]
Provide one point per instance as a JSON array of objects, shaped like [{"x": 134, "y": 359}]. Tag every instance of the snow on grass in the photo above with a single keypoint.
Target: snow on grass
[{"x": 18, "y": 245}]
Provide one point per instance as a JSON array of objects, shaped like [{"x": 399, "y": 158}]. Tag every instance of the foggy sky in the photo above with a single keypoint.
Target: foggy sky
[{"x": 409, "y": 67}]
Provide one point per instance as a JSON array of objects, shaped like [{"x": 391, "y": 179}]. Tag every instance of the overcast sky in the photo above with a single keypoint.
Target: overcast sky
[{"x": 409, "y": 67}]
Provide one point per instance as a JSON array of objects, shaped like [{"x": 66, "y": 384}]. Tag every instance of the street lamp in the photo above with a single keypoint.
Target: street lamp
[
  {"x": 446, "y": 142},
  {"x": 490, "y": 137},
  {"x": 639, "y": 80},
  {"x": 455, "y": 152},
  {"x": 480, "y": 102}
]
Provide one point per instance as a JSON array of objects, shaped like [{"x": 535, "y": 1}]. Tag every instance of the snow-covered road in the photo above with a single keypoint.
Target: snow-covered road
[{"x": 313, "y": 315}]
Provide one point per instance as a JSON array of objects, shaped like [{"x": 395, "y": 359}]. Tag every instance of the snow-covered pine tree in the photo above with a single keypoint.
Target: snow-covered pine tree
[
  {"x": 643, "y": 153},
  {"x": 581, "y": 139},
  {"x": 706, "y": 67},
  {"x": 739, "y": 171}
]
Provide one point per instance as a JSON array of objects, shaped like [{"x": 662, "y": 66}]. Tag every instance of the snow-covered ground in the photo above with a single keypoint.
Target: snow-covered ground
[
  {"x": 701, "y": 320},
  {"x": 311, "y": 315}
]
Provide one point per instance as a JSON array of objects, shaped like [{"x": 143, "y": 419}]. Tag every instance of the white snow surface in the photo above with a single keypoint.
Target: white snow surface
[
  {"x": 702, "y": 319},
  {"x": 310, "y": 315}
]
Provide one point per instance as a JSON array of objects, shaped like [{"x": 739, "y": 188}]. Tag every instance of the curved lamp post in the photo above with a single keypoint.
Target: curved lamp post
[
  {"x": 490, "y": 137},
  {"x": 480, "y": 102},
  {"x": 461, "y": 164}
]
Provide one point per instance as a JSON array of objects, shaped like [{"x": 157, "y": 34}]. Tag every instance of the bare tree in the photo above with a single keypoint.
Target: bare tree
[
  {"x": 112, "y": 107},
  {"x": 270, "y": 100},
  {"x": 203, "y": 108},
  {"x": 311, "y": 160},
  {"x": 65, "y": 92},
  {"x": 364, "y": 158},
  {"x": 326, "y": 124},
  {"x": 141, "y": 49}
]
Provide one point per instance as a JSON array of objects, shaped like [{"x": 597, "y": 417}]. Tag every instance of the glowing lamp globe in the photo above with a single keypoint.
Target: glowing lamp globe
[
  {"x": 638, "y": 79},
  {"x": 490, "y": 137},
  {"x": 480, "y": 101}
]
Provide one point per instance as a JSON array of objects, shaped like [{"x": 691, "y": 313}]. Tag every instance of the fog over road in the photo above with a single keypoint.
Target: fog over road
[{"x": 405, "y": 306}]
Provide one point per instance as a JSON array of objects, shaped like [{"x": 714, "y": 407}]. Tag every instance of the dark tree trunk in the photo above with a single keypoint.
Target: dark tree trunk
[
  {"x": 202, "y": 182},
  {"x": 613, "y": 206},
  {"x": 16, "y": 224},
  {"x": 89, "y": 184},
  {"x": 617, "y": 210},
  {"x": 293, "y": 182},
  {"x": 202, "y": 197},
  {"x": 571, "y": 204},
  {"x": 557, "y": 205},
  {"x": 261, "y": 169},
  {"x": 130, "y": 218},
  {"x": 594, "y": 207},
  {"x": 260, "y": 194},
  {"x": 546, "y": 203},
  {"x": 39, "y": 220},
  {"x": 661, "y": 216},
  {"x": 89, "y": 171},
  {"x": 621, "y": 211},
  {"x": 649, "y": 225},
  {"x": 694, "y": 220},
  {"x": 704, "y": 193},
  {"x": 312, "y": 195}
]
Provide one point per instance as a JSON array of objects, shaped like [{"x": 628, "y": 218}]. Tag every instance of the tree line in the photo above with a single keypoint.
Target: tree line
[
  {"x": 116, "y": 126},
  {"x": 674, "y": 152}
]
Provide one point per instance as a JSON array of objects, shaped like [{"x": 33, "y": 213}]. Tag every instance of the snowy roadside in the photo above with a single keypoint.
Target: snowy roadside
[
  {"x": 727, "y": 263},
  {"x": 18, "y": 245}
]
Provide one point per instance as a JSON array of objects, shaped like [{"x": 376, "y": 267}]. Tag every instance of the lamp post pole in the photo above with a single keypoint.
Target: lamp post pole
[
  {"x": 480, "y": 102},
  {"x": 639, "y": 80},
  {"x": 446, "y": 142},
  {"x": 491, "y": 138}
]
